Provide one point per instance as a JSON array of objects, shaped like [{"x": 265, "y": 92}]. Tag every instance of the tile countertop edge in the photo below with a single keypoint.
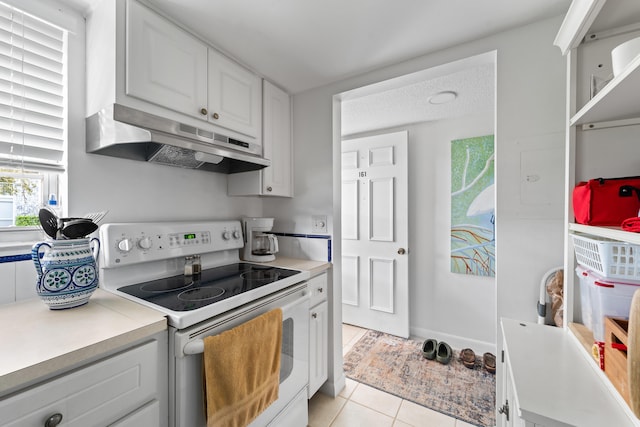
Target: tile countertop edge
[{"x": 129, "y": 322}]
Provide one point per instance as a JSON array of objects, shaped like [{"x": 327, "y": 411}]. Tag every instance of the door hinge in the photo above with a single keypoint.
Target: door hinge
[
  {"x": 502, "y": 356},
  {"x": 505, "y": 409}
]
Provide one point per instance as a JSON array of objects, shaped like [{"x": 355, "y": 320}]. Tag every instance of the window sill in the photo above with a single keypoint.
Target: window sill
[{"x": 19, "y": 241}]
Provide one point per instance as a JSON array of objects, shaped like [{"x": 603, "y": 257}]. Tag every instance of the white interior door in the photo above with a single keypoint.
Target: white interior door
[{"x": 375, "y": 262}]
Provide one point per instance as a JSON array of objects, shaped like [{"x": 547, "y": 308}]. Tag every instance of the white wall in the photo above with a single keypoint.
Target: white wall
[{"x": 530, "y": 103}]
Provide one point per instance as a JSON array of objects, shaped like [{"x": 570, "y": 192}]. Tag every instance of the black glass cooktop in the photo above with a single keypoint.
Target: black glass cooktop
[{"x": 184, "y": 293}]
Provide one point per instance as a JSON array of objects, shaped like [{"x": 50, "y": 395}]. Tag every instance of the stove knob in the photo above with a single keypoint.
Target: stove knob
[
  {"x": 226, "y": 235},
  {"x": 124, "y": 245},
  {"x": 144, "y": 243},
  {"x": 236, "y": 234}
]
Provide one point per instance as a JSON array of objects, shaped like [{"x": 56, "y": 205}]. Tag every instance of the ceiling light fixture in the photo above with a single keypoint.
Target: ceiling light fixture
[{"x": 443, "y": 97}]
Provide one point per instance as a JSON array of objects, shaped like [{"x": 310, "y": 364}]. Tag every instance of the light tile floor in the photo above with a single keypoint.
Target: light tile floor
[{"x": 361, "y": 405}]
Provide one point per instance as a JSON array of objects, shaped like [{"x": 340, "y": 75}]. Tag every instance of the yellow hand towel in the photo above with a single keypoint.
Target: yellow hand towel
[{"x": 242, "y": 371}]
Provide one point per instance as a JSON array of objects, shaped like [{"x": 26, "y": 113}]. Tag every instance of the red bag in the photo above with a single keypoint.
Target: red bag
[{"x": 606, "y": 201}]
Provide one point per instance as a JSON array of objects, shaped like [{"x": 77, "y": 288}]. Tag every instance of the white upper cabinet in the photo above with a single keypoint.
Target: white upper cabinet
[
  {"x": 277, "y": 179},
  {"x": 164, "y": 64},
  {"x": 141, "y": 59},
  {"x": 235, "y": 95}
]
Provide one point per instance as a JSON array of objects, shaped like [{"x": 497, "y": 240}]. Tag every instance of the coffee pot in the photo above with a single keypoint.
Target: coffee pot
[{"x": 259, "y": 244}]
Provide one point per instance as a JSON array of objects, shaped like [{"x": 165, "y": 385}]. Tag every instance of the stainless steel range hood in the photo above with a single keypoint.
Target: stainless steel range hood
[{"x": 124, "y": 132}]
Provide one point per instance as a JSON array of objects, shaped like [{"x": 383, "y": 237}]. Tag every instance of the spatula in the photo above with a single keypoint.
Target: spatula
[{"x": 49, "y": 222}]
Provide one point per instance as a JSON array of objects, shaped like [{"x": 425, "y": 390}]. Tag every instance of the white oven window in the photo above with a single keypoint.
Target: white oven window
[{"x": 286, "y": 358}]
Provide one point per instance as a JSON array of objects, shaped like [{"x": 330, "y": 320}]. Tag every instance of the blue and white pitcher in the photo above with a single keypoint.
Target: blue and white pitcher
[{"x": 67, "y": 272}]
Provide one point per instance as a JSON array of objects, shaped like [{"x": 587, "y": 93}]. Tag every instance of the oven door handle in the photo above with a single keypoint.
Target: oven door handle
[{"x": 197, "y": 346}]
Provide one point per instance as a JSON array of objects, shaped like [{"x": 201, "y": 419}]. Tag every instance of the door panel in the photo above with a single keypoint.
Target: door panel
[
  {"x": 381, "y": 209},
  {"x": 350, "y": 220},
  {"x": 375, "y": 282},
  {"x": 382, "y": 273},
  {"x": 350, "y": 279}
]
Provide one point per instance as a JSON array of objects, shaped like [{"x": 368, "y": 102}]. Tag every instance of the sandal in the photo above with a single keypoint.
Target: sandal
[
  {"x": 468, "y": 358},
  {"x": 489, "y": 361},
  {"x": 429, "y": 349},
  {"x": 444, "y": 352}
]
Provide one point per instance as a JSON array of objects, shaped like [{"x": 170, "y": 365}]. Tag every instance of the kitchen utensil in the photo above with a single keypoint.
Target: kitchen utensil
[
  {"x": 49, "y": 222},
  {"x": 633, "y": 354},
  {"x": 96, "y": 216},
  {"x": 79, "y": 228}
]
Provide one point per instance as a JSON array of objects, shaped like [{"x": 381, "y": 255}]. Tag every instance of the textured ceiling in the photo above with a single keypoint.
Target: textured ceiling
[
  {"x": 304, "y": 44},
  {"x": 409, "y": 103}
]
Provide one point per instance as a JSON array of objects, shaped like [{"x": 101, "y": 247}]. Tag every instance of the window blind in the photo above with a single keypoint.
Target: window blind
[{"x": 32, "y": 91}]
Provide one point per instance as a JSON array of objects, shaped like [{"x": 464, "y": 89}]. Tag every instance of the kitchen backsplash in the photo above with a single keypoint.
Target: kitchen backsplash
[
  {"x": 18, "y": 274},
  {"x": 316, "y": 247}
]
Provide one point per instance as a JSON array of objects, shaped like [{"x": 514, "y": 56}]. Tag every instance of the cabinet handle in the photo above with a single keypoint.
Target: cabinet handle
[
  {"x": 320, "y": 290},
  {"x": 401, "y": 251},
  {"x": 314, "y": 315},
  {"x": 53, "y": 420},
  {"x": 269, "y": 189},
  {"x": 215, "y": 116},
  {"x": 203, "y": 111}
]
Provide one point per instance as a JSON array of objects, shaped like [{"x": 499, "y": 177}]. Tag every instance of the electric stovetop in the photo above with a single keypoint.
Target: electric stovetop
[{"x": 184, "y": 293}]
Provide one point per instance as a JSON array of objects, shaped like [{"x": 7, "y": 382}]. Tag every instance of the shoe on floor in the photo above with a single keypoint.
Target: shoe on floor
[
  {"x": 429, "y": 349},
  {"x": 468, "y": 358},
  {"x": 489, "y": 361},
  {"x": 443, "y": 353}
]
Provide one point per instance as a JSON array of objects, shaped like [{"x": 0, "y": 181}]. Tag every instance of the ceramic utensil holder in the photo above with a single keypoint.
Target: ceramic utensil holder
[{"x": 67, "y": 272}]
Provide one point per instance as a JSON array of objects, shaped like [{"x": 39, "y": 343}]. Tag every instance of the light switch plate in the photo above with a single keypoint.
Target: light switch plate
[{"x": 319, "y": 224}]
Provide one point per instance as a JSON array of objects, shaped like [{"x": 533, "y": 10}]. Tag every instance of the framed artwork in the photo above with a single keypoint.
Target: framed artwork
[{"x": 473, "y": 206}]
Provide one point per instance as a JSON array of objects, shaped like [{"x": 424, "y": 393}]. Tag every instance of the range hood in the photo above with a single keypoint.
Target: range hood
[{"x": 121, "y": 131}]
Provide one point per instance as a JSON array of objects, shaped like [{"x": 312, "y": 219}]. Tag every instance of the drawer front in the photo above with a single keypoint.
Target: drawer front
[
  {"x": 318, "y": 289},
  {"x": 96, "y": 395}
]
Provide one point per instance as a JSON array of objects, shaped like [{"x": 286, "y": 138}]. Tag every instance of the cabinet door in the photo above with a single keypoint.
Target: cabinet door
[
  {"x": 164, "y": 64},
  {"x": 148, "y": 415},
  {"x": 235, "y": 96},
  {"x": 277, "y": 142},
  {"x": 277, "y": 179},
  {"x": 96, "y": 395},
  {"x": 318, "y": 346}
]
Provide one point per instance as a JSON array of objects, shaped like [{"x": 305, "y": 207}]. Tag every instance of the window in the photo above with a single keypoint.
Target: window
[{"x": 33, "y": 104}]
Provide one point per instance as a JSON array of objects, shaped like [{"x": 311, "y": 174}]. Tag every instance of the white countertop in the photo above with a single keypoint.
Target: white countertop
[
  {"x": 38, "y": 342},
  {"x": 555, "y": 384}
]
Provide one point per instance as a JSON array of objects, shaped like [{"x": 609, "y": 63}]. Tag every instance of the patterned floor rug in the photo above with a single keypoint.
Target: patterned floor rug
[{"x": 396, "y": 366}]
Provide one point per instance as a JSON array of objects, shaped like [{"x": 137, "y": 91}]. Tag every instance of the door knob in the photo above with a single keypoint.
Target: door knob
[{"x": 401, "y": 251}]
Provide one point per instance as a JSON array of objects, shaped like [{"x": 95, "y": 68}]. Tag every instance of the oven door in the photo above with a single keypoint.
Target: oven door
[{"x": 186, "y": 403}]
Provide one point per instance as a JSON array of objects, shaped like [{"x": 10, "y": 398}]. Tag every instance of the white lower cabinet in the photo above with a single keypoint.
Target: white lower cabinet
[
  {"x": 148, "y": 415},
  {"x": 318, "y": 346},
  {"x": 122, "y": 389},
  {"x": 549, "y": 381},
  {"x": 318, "y": 333}
]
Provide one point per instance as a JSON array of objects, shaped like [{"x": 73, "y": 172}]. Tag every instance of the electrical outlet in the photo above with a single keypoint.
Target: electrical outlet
[{"x": 319, "y": 223}]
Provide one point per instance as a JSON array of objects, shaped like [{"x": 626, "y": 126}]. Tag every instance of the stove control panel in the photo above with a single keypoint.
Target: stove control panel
[{"x": 133, "y": 243}]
